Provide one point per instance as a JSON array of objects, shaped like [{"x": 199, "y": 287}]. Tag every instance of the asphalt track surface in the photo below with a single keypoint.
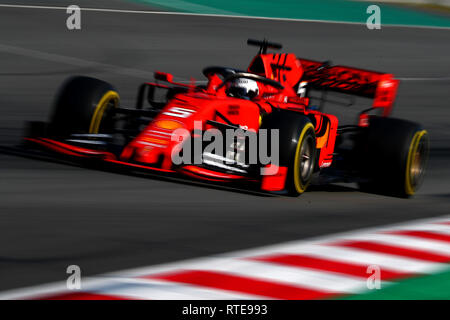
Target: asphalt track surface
[{"x": 54, "y": 215}]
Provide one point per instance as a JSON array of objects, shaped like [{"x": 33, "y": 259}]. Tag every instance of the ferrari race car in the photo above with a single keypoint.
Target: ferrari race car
[{"x": 263, "y": 128}]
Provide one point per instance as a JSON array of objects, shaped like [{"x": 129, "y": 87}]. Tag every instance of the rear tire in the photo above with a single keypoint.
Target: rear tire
[
  {"x": 395, "y": 157},
  {"x": 83, "y": 105}
]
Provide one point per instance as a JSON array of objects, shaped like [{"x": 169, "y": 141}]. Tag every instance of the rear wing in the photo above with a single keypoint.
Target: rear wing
[{"x": 382, "y": 87}]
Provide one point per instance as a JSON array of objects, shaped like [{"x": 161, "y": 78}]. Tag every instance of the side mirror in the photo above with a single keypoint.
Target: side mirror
[{"x": 162, "y": 76}]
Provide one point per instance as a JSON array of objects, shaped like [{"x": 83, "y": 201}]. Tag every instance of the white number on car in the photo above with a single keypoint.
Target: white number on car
[{"x": 179, "y": 112}]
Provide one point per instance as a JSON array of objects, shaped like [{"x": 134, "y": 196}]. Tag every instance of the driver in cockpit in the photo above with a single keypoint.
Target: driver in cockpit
[{"x": 243, "y": 89}]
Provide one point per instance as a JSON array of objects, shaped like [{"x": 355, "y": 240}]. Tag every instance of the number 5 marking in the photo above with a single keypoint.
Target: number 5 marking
[{"x": 179, "y": 112}]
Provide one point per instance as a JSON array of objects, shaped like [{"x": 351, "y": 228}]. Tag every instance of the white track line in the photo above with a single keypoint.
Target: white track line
[
  {"x": 132, "y": 288},
  {"x": 404, "y": 241},
  {"x": 215, "y": 16},
  {"x": 435, "y": 228},
  {"x": 52, "y": 288},
  {"x": 417, "y": 225},
  {"x": 365, "y": 258},
  {"x": 165, "y": 290},
  {"x": 294, "y": 276}
]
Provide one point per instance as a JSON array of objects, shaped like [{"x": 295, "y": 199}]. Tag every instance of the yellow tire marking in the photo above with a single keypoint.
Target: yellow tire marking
[
  {"x": 100, "y": 109},
  {"x": 409, "y": 189},
  {"x": 298, "y": 185}
]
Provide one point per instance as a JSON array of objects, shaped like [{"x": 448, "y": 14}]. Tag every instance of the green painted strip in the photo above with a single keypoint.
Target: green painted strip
[
  {"x": 436, "y": 287},
  {"x": 325, "y": 10},
  {"x": 188, "y": 6}
]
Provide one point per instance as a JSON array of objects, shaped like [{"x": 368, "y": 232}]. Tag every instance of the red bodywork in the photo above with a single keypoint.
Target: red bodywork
[{"x": 153, "y": 147}]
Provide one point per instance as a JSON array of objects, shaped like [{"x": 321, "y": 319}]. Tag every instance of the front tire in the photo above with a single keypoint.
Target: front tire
[
  {"x": 301, "y": 168},
  {"x": 297, "y": 148},
  {"x": 83, "y": 105}
]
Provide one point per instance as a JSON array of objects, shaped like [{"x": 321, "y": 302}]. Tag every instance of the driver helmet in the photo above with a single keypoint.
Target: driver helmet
[{"x": 243, "y": 88}]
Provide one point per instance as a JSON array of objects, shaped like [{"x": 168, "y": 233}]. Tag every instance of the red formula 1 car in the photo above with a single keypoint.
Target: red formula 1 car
[{"x": 262, "y": 127}]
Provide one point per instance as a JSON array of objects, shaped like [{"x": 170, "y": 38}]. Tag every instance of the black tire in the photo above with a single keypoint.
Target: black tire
[
  {"x": 297, "y": 148},
  {"x": 83, "y": 105},
  {"x": 394, "y": 156}
]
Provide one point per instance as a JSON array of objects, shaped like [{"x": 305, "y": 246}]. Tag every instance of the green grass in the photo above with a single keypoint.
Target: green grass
[{"x": 436, "y": 287}]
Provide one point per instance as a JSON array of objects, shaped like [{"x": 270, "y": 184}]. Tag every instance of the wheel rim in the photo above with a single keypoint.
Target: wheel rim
[
  {"x": 108, "y": 101},
  {"x": 418, "y": 164},
  {"x": 306, "y": 158},
  {"x": 107, "y": 121},
  {"x": 417, "y": 158}
]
